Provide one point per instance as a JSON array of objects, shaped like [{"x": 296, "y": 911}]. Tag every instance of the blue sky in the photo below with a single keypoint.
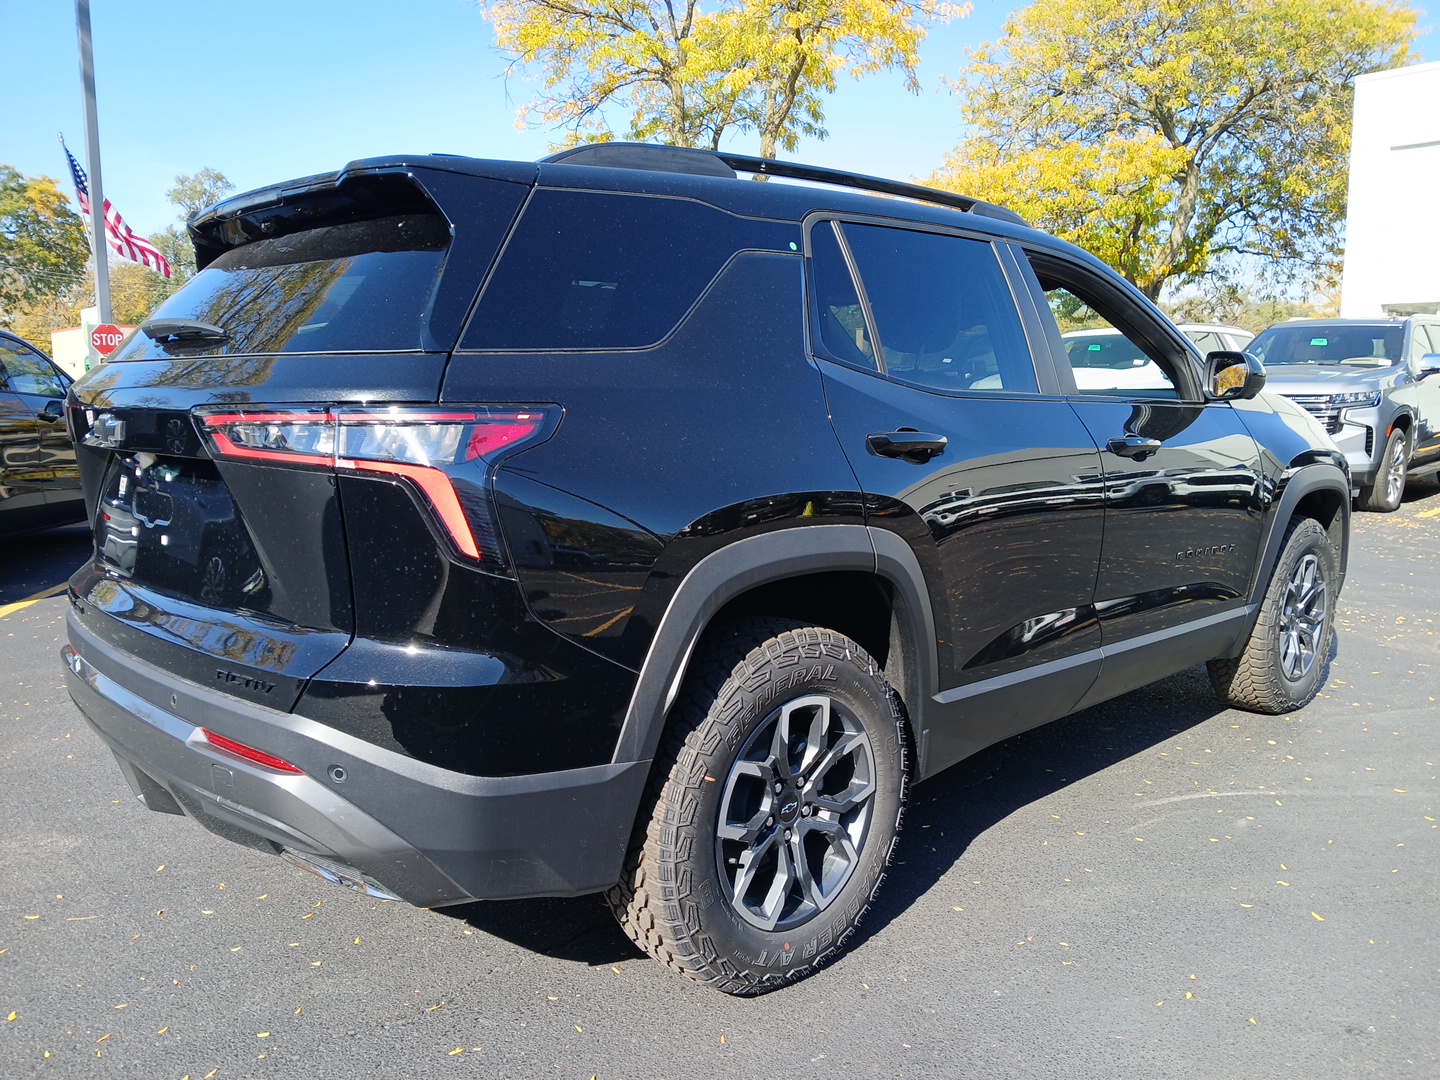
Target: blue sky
[{"x": 267, "y": 90}]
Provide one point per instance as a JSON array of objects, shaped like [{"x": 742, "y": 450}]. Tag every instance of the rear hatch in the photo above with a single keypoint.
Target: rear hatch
[{"x": 212, "y": 444}]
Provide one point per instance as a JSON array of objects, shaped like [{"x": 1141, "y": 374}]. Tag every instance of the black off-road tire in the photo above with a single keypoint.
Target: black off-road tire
[
  {"x": 760, "y": 684},
  {"x": 1284, "y": 661},
  {"x": 1384, "y": 495}
]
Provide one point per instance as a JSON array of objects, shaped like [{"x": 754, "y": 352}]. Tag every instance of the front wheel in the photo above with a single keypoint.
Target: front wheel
[
  {"x": 1284, "y": 660},
  {"x": 1383, "y": 496},
  {"x": 776, "y": 806}
]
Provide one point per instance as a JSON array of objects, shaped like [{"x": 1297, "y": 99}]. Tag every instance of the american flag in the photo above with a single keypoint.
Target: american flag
[{"x": 125, "y": 242}]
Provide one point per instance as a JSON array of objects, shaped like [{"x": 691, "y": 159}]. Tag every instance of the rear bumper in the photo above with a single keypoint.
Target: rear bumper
[{"x": 421, "y": 833}]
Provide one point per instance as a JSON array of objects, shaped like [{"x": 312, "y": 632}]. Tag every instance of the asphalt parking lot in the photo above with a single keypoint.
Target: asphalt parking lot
[{"x": 1155, "y": 887}]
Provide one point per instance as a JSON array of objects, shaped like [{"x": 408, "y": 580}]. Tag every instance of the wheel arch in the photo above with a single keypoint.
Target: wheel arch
[
  {"x": 1318, "y": 490},
  {"x": 776, "y": 573}
]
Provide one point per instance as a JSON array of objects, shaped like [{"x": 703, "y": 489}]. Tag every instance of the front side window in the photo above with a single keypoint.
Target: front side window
[
  {"x": 944, "y": 316},
  {"x": 24, "y": 371},
  {"x": 1111, "y": 348}
]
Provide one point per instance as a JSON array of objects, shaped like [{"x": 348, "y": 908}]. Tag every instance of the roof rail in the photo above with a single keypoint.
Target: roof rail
[
  {"x": 680, "y": 159},
  {"x": 814, "y": 173}
]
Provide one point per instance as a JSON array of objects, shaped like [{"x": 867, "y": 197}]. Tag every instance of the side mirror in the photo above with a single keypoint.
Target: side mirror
[
  {"x": 52, "y": 411},
  {"x": 1232, "y": 376},
  {"x": 1429, "y": 365}
]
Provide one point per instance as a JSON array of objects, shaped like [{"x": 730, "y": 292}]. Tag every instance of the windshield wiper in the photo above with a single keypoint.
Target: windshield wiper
[{"x": 163, "y": 330}]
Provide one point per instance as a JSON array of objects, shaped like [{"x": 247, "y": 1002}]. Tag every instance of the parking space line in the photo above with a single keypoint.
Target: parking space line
[{"x": 21, "y": 605}]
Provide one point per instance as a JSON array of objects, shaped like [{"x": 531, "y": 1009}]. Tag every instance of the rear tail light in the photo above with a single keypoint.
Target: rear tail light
[{"x": 445, "y": 455}]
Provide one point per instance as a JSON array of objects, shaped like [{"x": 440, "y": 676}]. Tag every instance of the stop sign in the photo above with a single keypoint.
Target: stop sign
[{"x": 106, "y": 338}]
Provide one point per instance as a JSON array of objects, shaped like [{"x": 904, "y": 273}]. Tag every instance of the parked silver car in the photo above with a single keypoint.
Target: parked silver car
[{"x": 1375, "y": 386}]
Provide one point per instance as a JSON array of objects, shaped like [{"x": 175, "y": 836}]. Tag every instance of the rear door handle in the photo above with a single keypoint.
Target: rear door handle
[
  {"x": 916, "y": 447},
  {"x": 1136, "y": 447}
]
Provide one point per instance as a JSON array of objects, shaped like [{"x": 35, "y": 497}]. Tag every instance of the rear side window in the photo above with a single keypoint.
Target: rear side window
[
  {"x": 943, "y": 312},
  {"x": 360, "y": 286},
  {"x": 599, "y": 270}
]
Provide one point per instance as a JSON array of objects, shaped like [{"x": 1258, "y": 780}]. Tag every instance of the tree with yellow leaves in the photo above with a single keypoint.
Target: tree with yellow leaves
[
  {"x": 687, "y": 71},
  {"x": 1164, "y": 134}
]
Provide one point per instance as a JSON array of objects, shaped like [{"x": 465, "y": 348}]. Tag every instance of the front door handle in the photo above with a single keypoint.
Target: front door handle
[
  {"x": 916, "y": 447},
  {"x": 1136, "y": 447}
]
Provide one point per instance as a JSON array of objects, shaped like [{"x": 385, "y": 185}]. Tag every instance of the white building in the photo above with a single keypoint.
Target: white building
[{"x": 1392, "y": 231}]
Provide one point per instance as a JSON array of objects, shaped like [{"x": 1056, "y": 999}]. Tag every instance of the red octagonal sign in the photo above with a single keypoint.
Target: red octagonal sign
[{"x": 106, "y": 338}]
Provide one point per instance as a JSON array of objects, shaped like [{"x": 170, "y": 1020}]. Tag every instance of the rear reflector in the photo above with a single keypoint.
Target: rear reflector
[{"x": 249, "y": 753}]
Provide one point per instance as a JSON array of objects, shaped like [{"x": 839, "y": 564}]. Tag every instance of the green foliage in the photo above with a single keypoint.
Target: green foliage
[
  {"x": 1164, "y": 134},
  {"x": 196, "y": 191},
  {"x": 43, "y": 248},
  {"x": 58, "y": 289},
  {"x": 687, "y": 71}
]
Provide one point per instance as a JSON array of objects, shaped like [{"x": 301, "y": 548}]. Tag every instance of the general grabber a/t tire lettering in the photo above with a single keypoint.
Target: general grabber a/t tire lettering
[
  {"x": 1283, "y": 663},
  {"x": 774, "y": 808}
]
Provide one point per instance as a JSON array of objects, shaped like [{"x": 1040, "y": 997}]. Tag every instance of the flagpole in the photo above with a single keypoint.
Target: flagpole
[{"x": 92, "y": 152}]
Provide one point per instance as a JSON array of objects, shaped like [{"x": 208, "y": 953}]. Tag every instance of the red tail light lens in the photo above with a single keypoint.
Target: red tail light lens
[
  {"x": 428, "y": 447},
  {"x": 249, "y": 753}
]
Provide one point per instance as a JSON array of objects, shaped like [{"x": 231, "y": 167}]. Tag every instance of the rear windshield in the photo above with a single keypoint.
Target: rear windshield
[
  {"x": 1375, "y": 345},
  {"x": 361, "y": 286}
]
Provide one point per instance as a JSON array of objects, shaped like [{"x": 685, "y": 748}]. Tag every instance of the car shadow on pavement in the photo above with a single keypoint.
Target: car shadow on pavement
[
  {"x": 945, "y": 815},
  {"x": 948, "y": 812},
  {"x": 957, "y": 806}
]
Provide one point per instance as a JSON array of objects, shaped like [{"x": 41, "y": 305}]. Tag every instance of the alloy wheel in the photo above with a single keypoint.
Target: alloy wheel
[
  {"x": 1395, "y": 472},
  {"x": 795, "y": 812},
  {"x": 1302, "y": 617}
]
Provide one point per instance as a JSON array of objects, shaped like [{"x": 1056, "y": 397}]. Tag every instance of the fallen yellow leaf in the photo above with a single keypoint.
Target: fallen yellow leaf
[
  {"x": 1252, "y": 1020},
  {"x": 580, "y": 1029},
  {"x": 357, "y": 941},
  {"x": 262, "y": 1034},
  {"x": 12, "y": 1016},
  {"x": 102, "y": 1038},
  {"x": 457, "y": 1050},
  {"x": 125, "y": 1006},
  {"x": 163, "y": 1030},
  {"x": 616, "y": 970},
  {"x": 32, "y": 918},
  {"x": 298, "y": 1011},
  {"x": 1189, "y": 996},
  {"x": 1317, "y": 918}
]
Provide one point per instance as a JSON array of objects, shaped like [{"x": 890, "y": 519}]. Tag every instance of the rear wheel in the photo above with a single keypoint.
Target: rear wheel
[
  {"x": 1383, "y": 496},
  {"x": 775, "y": 809},
  {"x": 1284, "y": 660}
]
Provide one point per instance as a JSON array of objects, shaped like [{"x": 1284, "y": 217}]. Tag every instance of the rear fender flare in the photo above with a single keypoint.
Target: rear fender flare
[{"x": 758, "y": 560}]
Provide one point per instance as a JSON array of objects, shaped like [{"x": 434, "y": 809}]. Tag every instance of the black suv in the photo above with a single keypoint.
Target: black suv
[{"x": 475, "y": 529}]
